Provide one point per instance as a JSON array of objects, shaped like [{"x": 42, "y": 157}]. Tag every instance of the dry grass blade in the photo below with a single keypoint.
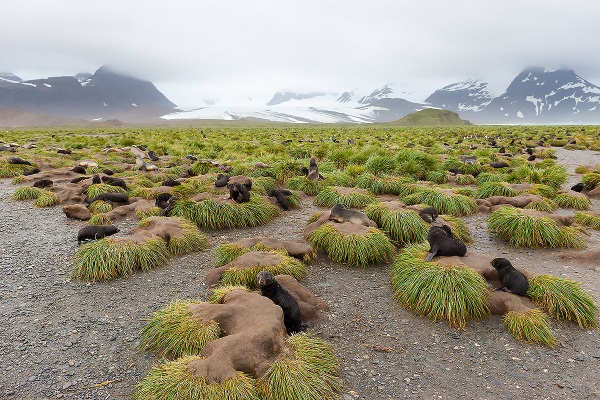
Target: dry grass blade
[{"x": 532, "y": 326}]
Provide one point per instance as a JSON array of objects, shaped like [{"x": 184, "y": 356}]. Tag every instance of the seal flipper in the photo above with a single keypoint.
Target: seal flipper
[{"x": 430, "y": 255}]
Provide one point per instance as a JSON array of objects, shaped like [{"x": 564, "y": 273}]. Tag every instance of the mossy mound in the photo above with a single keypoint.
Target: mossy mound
[
  {"x": 401, "y": 225},
  {"x": 523, "y": 229},
  {"x": 564, "y": 299},
  {"x": 224, "y": 214},
  {"x": 355, "y": 245},
  {"x": 454, "y": 294},
  {"x": 350, "y": 197}
]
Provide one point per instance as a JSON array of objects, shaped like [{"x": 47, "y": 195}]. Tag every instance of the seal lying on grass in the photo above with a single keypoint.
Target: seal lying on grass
[
  {"x": 512, "y": 280},
  {"x": 340, "y": 213},
  {"x": 428, "y": 214},
  {"x": 280, "y": 194},
  {"x": 110, "y": 198},
  {"x": 269, "y": 287},
  {"x": 95, "y": 232},
  {"x": 443, "y": 243}
]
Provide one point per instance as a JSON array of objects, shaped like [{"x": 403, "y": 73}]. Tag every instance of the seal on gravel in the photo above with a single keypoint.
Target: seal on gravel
[
  {"x": 269, "y": 287},
  {"x": 443, "y": 243},
  {"x": 512, "y": 280},
  {"x": 339, "y": 213},
  {"x": 94, "y": 232}
]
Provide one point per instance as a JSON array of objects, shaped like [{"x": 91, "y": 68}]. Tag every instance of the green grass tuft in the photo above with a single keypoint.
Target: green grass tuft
[
  {"x": 217, "y": 294},
  {"x": 303, "y": 184},
  {"x": 522, "y": 230},
  {"x": 355, "y": 250},
  {"x": 27, "y": 193},
  {"x": 148, "y": 212},
  {"x": 99, "y": 219},
  {"x": 247, "y": 276},
  {"x": 95, "y": 190},
  {"x": 46, "y": 199},
  {"x": 451, "y": 293},
  {"x": 490, "y": 189},
  {"x": 593, "y": 221},
  {"x": 174, "y": 332},
  {"x": 100, "y": 207},
  {"x": 445, "y": 203},
  {"x": 545, "y": 205},
  {"x": 403, "y": 227},
  {"x": 564, "y": 299},
  {"x": 532, "y": 326},
  {"x": 330, "y": 196},
  {"x": 565, "y": 200}
]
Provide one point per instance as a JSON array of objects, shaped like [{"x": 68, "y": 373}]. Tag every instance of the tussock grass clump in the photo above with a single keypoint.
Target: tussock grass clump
[
  {"x": 173, "y": 380},
  {"x": 403, "y": 227},
  {"x": 564, "y": 299},
  {"x": 107, "y": 258},
  {"x": 523, "y": 230},
  {"x": 532, "y": 326},
  {"x": 355, "y": 250},
  {"x": 582, "y": 170},
  {"x": 330, "y": 196},
  {"x": 303, "y": 184},
  {"x": 438, "y": 176},
  {"x": 262, "y": 185},
  {"x": 18, "y": 180},
  {"x": 380, "y": 164},
  {"x": 27, "y": 193},
  {"x": 310, "y": 375},
  {"x": 95, "y": 190},
  {"x": 593, "y": 221},
  {"x": 191, "y": 241},
  {"x": 148, "y": 212},
  {"x": 211, "y": 214},
  {"x": 565, "y": 200},
  {"x": 247, "y": 276},
  {"x": 12, "y": 170},
  {"x": 444, "y": 202},
  {"x": 217, "y": 294},
  {"x": 143, "y": 192},
  {"x": 46, "y": 199},
  {"x": 486, "y": 177},
  {"x": 98, "y": 219},
  {"x": 100, "y": 207},
  {"x": 490, "y": 189},
  {"x": 174, "y": 332},
  {"x": 465, "y": 179},
  {"x": 545, "y": 205},
  {"x": 382, "y": 185},
  {"x": 543, "y": 190},
  {"x": 454, "y": 294},
  {"x": 459, "y": 229}
]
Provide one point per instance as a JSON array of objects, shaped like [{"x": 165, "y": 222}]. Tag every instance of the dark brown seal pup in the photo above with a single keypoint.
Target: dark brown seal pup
[
  {"x": 43, "y": 183},
  {"x": 152, "y": 156},
  {"x": 31, "y": 171},
  {"x": 238, "y": 192},
  {"x": 498, "y": 164},
  {"x": 280, "y": 194},
  {"x": 110, "y": 198},
  {"x": 578, "y": 187},
  {"x": 222, "y": 180},
  {"x": 114, "y": 182},
  {"x": 428, "y": 214},
  {"x": 443, "y": 243},
  {"x": 269, "y": 287},
  {"x": 94, "y": 232},
  {"x": 512, "y": 280},
  {"x": 17, "y": 160},
  {"x": 78, "y": 169},
  {"x": 165, "y": 201},
  {"x": 170, "y": 183}
]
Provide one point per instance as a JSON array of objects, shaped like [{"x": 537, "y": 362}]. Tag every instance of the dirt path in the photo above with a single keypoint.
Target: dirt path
[{"x": 63, "y": 339}]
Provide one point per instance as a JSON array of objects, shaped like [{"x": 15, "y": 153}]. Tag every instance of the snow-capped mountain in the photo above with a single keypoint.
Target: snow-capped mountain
[
  {"x": 540, "y": 95},
  {"x": 469, "y": 95},
  {"x": 104, "y": 94}
]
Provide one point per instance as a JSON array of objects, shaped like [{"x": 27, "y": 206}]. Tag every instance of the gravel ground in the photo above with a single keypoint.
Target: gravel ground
[{"x": 68, "y": 339}]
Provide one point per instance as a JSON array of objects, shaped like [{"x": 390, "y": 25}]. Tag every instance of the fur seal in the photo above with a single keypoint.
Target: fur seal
[
  {"x": 222, "y": 180},
  {"x": 77, "y": 180},
  {"x": 280, "y": 194},
  {"x": 17, "y": 160},
  {"x": 191, "y": 157},
  {"x": 455, "y": 171},
  {"x": 152, "y": 156},
  {"x": 165, "y": 201},
  {"x": 114, "y": 182},
  {"x": 108, "y": 172},
  {"x": 443, "y": 243},
  {"x": 578, "y": 187},
  {"x": 498, "y": 164},
  {"x": 239, "y": 192},
  {"x": 170, "y": 183},
  {"x": 269, "y": 287},
  {"x": 313, "y": 170},
  {"x": 512, "y": 280},
  {"x": 340, "y": 213},
  {"x": 96, "y": 179},
  {"x": 428, "y": 214},
  {"x": 63, "y": 151},
  {"x": 94, "y": 232},
  {"x": 43, "y": 183},
  {"x": 502, "y": 150},
  {"x": 110, "y": 198},
  {"x": 531, "y": 157},
  {"x": 78, "y": 169},
  {"x": 31, "y": 171},
  {"x": 7, "y": 148}
]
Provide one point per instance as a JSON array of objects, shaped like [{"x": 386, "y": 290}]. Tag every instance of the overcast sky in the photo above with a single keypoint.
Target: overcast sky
[{"x": 197, "y": 50}]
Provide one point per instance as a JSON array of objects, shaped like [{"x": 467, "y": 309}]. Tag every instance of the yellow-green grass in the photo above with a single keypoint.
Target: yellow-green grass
[
  {"x": 355, "y": 250},
  {"x": 330, "y": 196},
  {"x": 459, "y": 228},
  {"x": 217, "y": 294},
  {"x": 523, "y": 230},
  {"x": 27, "y": 193},
  {"x": 564, "y": 299},
  {"x": 211, "y": 214},
  {"x": 490, "y": 189},
  {"x": 437, "y": 176},
  {"x": 312, "y": 374},
  {"x": 444, "y": 203},
  {"x": 99, "y": 219},
  {"x": 545, "y": 205},
  {"x": 148, "y": 212},
  {"x": 100, "y": 207},
  {"x": 382, "y": 185},
  {"x": 565, "y": 200},
  {"x": 593, "y": 221},
  {"x": 173, "y": 331},
  {"x": 305, "y": 185},
  {"x": 46, "y": 199},
  {"x": 190, "y": 241},
  {"x": 13, "y": 170},
  {"x": 543, "y": 190},
  {"x": 465, "y": 179},
  {"x": 227, "y": 252},
  {"x": 403, "y": 227},
  {"x": 18, "y": 180},
  {"x": 590, "y": 180},
  {"x": 174, "y": 381},
  {"x": 97, "y": 189},
  {"x": 531, "y": 326},
  {"x": 454, "y": 294},
  {"x": 247, "y": 276}
]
